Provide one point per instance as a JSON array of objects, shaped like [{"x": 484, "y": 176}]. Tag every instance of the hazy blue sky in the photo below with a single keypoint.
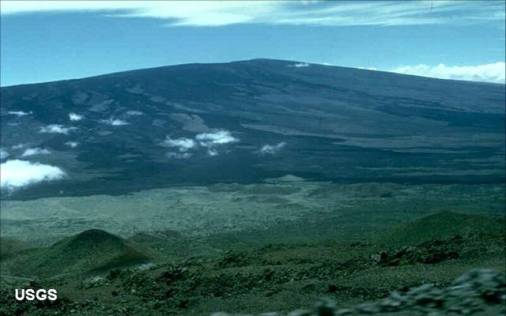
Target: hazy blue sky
[{"x": 47, "y": 40}]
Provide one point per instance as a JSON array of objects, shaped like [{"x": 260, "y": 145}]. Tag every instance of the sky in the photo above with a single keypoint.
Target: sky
[{"x": 54, "y": 40}]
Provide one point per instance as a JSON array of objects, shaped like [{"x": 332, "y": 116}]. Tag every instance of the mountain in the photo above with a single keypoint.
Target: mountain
[
  {"x": 92, "y": 251},
  {"x": 246, "y": 121}
]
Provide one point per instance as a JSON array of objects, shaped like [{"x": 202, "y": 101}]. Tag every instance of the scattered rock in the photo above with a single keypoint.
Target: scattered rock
[
  {"x": 431, "y": 252},
  {"x": 478, "y": 290}
]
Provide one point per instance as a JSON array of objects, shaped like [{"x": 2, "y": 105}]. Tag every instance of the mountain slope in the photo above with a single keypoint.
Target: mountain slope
[
  {"x": 90, "y": 251},
  {"x": 179, "y": 125},
  {"x": 445, "y": 225}
]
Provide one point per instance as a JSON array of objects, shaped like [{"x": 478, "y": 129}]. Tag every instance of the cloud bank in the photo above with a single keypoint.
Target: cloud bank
[
  {"x": 15, "y": 174},
  {"x": 494, "y": 72},
  {"x": 337, "y": 13}
]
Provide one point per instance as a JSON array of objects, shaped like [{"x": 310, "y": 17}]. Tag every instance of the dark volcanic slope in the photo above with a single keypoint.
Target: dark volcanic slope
[
  {"x": 318, "y": 121},
  {"x": 91, "y": 251}
]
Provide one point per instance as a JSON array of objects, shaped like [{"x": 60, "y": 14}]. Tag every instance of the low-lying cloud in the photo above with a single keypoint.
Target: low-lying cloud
[
  {"x": 16, "y": 174},
  {"x": 272, "y": 149},
  {"x": 114, "y": 122},
  {"x": 300, "y": 65},
  {"x": 494, "y": 72},
  {"x": 182, "y": 144},
  {"x": 35, "y": 151},
  {"x": 209, "y": 141},
  {"x": 3, "y": 154},
  {"x": 212, "y": 152},
  {"x": 56, "y": 129},
  {"x": 212, "y": 139},
  {"x": 75, "y": 117},
  {"x": 19, "y": 113},
  {"x": 18, "y": 146},
  {"x": 72, "y": 144}
]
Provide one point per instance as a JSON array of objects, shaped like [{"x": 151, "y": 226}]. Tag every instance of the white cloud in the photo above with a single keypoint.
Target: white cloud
[
  {"x": 72, "y": 144},
  {"x": 183, "y": 144},
  {"x": 271, "y": 149},
  {"x": 114, "y": 122},
  {"x": 15, "y": 174},
  {"x": 35, "y": 151},
  {"x": 220, "y": 137},
  {"x": 75, "y": 117},
  {"x": 134, "y": 113},
  {"x": 214, "y": 139},
  {"x": 300, "y": 65},
  {"x": 212, "y": 152},
  {"x": 369, "y": 68},
  {"x": 488, "y": 72},
  {"x": 19, "y": 113},
  {"x": 217, "y": 13},
  {"x": 18, "y": 146},
  {"x": 209, "y": 141},
  {"x": 56, "y": 129},
  {"x": 3, "y": 154}
]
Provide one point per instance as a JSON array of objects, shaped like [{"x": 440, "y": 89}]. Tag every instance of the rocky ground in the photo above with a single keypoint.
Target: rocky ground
[
  {"x": 97, "y": 273},
  {"x": 477, "y": 292}
]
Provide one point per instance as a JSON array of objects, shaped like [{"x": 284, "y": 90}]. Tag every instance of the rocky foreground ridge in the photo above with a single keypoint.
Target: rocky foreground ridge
[{"x": 477, "y": 292}]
